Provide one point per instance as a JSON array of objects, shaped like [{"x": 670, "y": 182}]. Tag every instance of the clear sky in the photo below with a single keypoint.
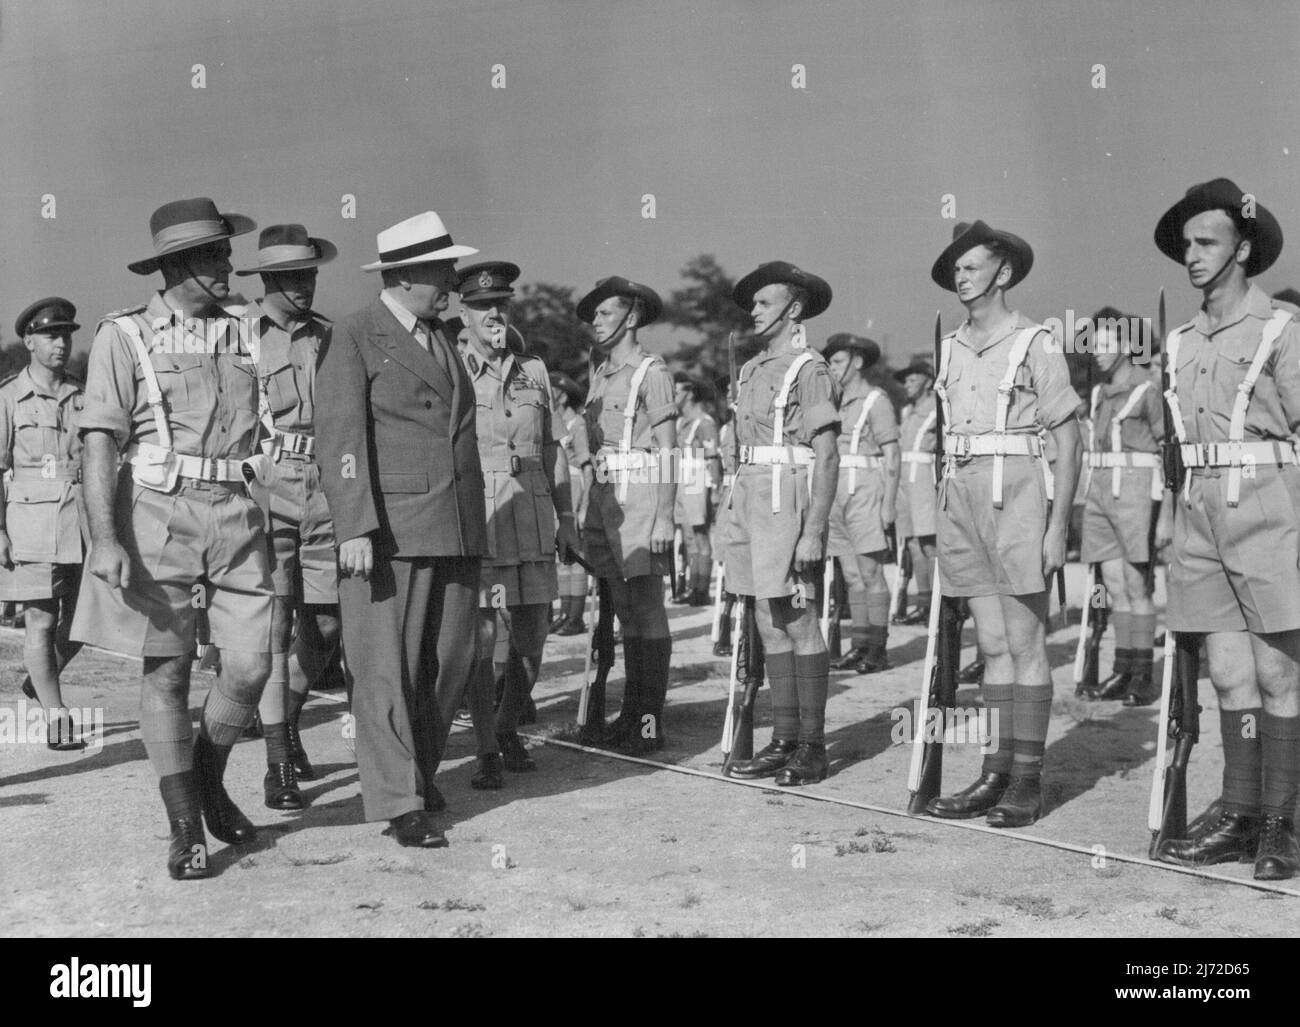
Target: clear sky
[{"x": 608, "y": 100}]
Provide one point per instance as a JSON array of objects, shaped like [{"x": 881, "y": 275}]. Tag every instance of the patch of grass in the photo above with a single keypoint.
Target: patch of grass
[
  {"x": 638, "y": 931},
  {"x": 868, "y": 927},
  {"x": 678, "y": 934},
  {"x": 880, "y": 842},
  {"x": 852, "y": 848},
  {"x": 474, "y": 930},
  {"x": 1039, "y": 907},
  {"x": 980, "y": 929},
  {"x": 775, "y": 802},
  {"x": 452, "y": 906},
  {"x": 668, "y": 839},
  {"x": 691, "y": 899},
  {"x": 320, "y": 861},
  {"x": 1168, "y": 913},
  {"x": 575, "y": 905}
]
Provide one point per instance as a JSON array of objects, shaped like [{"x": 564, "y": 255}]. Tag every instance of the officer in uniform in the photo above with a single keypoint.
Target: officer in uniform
[
  {"x": 1235, "y": 572},
  {"x": 528, "y": 509},
  {"x": 304, "y": 567},
  {"x": 1001, "y": 379},
  {"x": 697, "y": 436},
  {"x": 628, "y": 530},
  {"x": 572, "y": 577},
  {"x": 40, "y": 522},
  {"x": 1124, "y": 484},
  {"x": 916, "y": 483},
  {"x": 172, "y": 393},
  {"x": 787, "y": 419},
  {"x": 862, "y": 514}
]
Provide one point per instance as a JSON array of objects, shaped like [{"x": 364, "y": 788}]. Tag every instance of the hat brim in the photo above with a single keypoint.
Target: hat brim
[
  {"x": 586, "y": 308},
  {"x": 436, "y": 257},
  {"x": 487, "y": 294},
  {"x": 55, "y": 328},
  {"x": 239, "y": 225},
  {"x": 903, "y": 374},
  {"x": 870, "y": 354},
  {"x": 819, "y": 290},
  {"x": 1265, "y": 241},
  {"x": 980, "y": 234},
  {"x": 327, "y": 250}
]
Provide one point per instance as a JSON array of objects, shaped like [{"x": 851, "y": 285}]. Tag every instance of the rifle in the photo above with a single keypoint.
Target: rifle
[
  {"x": 600, "y": 649},
  {"x": 720, "y": 585},
  {"x": 1171, "y": 455},
  {"x": 902, "y": 578},
  {"x": 1091, "y": 628},
  {"x": 748, "y": 669},
  {"x": 831, "y": 607},
  {"x": 679, "y": 564}
]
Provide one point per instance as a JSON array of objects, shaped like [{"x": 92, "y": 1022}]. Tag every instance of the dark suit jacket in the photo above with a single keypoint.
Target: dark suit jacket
[{"x": 396, "y": 441}]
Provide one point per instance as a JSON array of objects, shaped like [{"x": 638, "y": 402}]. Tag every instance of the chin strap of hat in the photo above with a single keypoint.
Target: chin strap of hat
[{"x": 992, "y": 281}]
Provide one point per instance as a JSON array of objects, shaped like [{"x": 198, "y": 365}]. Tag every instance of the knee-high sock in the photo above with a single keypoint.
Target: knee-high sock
[
  {"x": 860, "y": 624},
  {"x": 1141, "y": 637},
  {"x": 227, "y": 712},
  {"x": 180, "y": 794},
  {"x": 811, "y": 671},
  {"x": 878, "y": 618},
  {"x": 657, "y": 653},
  {"x": 785, "y": 695},
  {"x": 273, "y": 703},
  {"x": 480, "y": 696},
  {"x": 1121, "y": 623},
  {"x": 1031, "y": 714},
  {"x": 999, "y": 701},
  {"x": 633, "y": 670},
  {"x": 521, "y": 676},
  {"x": 1242, "y": 759},
  {"x": 166, "y": 730},
  {"x": 43, "y": 673},
  {"x": 921, "y": 573},
  {"x": 1279, "y": 741}
]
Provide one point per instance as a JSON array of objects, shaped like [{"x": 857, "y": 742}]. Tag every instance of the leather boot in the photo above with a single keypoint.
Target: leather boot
[
  {"x": 281, "y": 788},
  {"x": 656, "y": 657},
  {"x": 1278, "y": 856},
  {"x": 722, "y": 647},
  {"x": 849, "y": 660},
  {"x": 620, "y": 730},
  {"x": 1021, "y": 804},
  {"x": 873, "y": 660},
  {"x": 972, "y": 673},
  {"x": 223, "y": 817},
  {"x": 1233, "y": 838},
  {"x": 808, "y": 767},
  {"x": 972, "y": 801},
  {"x": 767, "y": 761},
  {"x": 1114, "y": 687},
  {"x": 302, "y": 767},
  {"x": 563, "y": 615},
  {"x": 513, "y": 754},
  {"x": 1142, "y": 691},
  {"x": 60, "y": 736},
  {"x": 490, "y": 774},
  {"x": 187, "y": 855}
]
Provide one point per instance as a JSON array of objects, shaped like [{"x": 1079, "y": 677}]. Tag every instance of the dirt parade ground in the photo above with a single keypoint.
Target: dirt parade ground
[{"x": 594, "y": 845}]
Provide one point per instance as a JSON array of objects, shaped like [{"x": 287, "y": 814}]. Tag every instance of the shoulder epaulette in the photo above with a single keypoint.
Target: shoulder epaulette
[
  {"x": 6, "y": 381},
  {"x": 140, "y": 309}
]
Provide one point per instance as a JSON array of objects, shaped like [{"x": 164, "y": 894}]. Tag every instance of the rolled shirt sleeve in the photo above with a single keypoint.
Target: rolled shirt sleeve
[
  {"x": 1049, "y": 374},
  {"x": 818, "y": 400},
  {"x": 110, "y": 385}
]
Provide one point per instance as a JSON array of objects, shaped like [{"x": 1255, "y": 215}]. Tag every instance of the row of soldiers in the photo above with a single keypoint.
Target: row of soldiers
[{"x": 186, "y": 435}]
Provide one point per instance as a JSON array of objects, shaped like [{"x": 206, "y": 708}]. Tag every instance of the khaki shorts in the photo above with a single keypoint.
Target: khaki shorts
[
  {"x": 1237, "y": 569},
  {"x": 759, "y": 544},
  {"x": 916, "y": 502},
  {"x": 201, "y": 549},
  {"x": 856, "y": 522},
  {"x": 304, "y": 562},
  {"x": 984, "y": 551},
  {"x": 1118, "y": 529},
  {"x": 32, "y": 581},
  {"x": 692, "y": 508},
  {"x": 616, "y": 536},
  {"x": 518, "y": 584}
]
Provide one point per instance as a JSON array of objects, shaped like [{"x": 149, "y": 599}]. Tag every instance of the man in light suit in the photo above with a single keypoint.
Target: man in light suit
[{"x": 399, "y": 461}]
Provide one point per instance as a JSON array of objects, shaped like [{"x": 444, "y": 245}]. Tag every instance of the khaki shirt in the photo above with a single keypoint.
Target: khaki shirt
[
  {"x": 1210, "y": 367},
  {"x": 1144, "y": 428},
  {"x": 208, "y": 383},
  {"x": 40, "y": 445},
  {"x": 881, "y": 426},
  {"x": 813, "y": 403},
  {"x": 608, "y": 398},
  {"x": 514, "y": 412},
  {"x": 1041, "y": 397},
  {"x": 914, "y": 416},
  {"x": 286, "y": 360}
]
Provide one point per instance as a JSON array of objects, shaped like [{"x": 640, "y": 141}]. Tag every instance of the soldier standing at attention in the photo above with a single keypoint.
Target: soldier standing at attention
[
  {"x": 862, "y": 513},
  {"x": 528, "y": 510},
  {"x": 916, "y": 483},
  {"x": 1235, "y": 572},
  {"x": 787, "y": 419},
  {"x": 304, "y": 566},
  {"x": 1001, "y": 379},
  {"x": 701, "y": 470},
  {"x": 572, "y": 577},
  {"x": 172, "y": 392},
  {"x": 40, "y": 520},
  {"x": 628, "y": 531}
]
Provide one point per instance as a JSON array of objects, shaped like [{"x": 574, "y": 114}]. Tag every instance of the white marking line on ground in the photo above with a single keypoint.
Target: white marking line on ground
[{"x": 1119, "y": 857}]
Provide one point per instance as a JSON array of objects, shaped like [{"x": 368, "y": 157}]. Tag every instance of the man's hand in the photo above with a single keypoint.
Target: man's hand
[
  {"x": 1053, "y": 553},
  {"x": 6, "y": 561},
  {"x": 809, "y": 553},
  {"x": 357, "y": 557},
  {"x": 661, "y": 537},
  {"x": 109, "y": 562},
  {"x": 566, "y": 539}
]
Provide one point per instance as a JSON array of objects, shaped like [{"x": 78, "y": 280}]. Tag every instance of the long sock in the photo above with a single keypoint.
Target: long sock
[
  {"x": 1030, "y": 716},
  {"x": 180, "y": 794},
  {"x": 480, "y": 696},
  {"x": 877, "y": 619},
  {"x": 657, "y": 653},
  {"x": 999, "y": 700},
  {"x": 922, "y": 574},
  {"x": 634, "y": 671},
  {"x": 277, "y": 743},
  {"x": 521, "y": 676},
  {"x": 1142, "y": 631},
  {"x": 785, "y": 695},
  {"x": 1279, "y": 743},
  {"x": 811, "y": 672},
  {"x": 859, "y": 627},
  {"x": 1242, "y": 759},
  {"x": 166, "y": 731},
  {"x": 227, "y": 712},
  {"x": 1120, "y": 621}
]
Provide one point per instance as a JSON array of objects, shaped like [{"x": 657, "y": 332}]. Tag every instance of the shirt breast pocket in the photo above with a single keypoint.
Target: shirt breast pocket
[
  {"x": 181, "y": 378},
  {"x": 282, "y": 389}
]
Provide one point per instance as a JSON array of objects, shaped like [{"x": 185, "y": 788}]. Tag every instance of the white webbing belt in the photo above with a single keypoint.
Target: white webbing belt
[
  {"x": 1019, "y": 444},
  {"x": 1235, "y": 451},
  {"x": 917, "y": 455},
  {"x": 776, "y": 455},
  {"x": 856, "y": 441},
  {"x": 629, "y": 417},
  {"x": 778, "y": 425},
  {"x": 1116, "y": 444},
  {"x": 152, "y": 390},
  {"x": 859, "y": 461}
]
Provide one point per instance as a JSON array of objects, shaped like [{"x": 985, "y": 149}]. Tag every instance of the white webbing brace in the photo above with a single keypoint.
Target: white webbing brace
[
  {"x": 856, "y": 441},
  {"x": 1015, "y": 357},
  {"x": 916, "y": 453},
  {"x": 1240, "y": 404},
  {"x": 153, "y": 391},
  {"x": 629, "y": 416},
  {"x": 778, "y": 422},
  {"x": 1117, "y": 472}
]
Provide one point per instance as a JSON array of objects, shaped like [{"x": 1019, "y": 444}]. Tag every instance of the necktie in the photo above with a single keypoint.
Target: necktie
[{"x": 426, "y": 337}]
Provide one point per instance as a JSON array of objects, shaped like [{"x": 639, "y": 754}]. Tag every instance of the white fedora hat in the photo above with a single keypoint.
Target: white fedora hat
[{"x": 418, "y": 240}]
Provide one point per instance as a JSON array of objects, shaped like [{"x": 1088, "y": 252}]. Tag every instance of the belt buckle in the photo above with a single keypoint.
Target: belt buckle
[
  {"x": 210, "y": 467},
  {"x": 516, "y": 465}
]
